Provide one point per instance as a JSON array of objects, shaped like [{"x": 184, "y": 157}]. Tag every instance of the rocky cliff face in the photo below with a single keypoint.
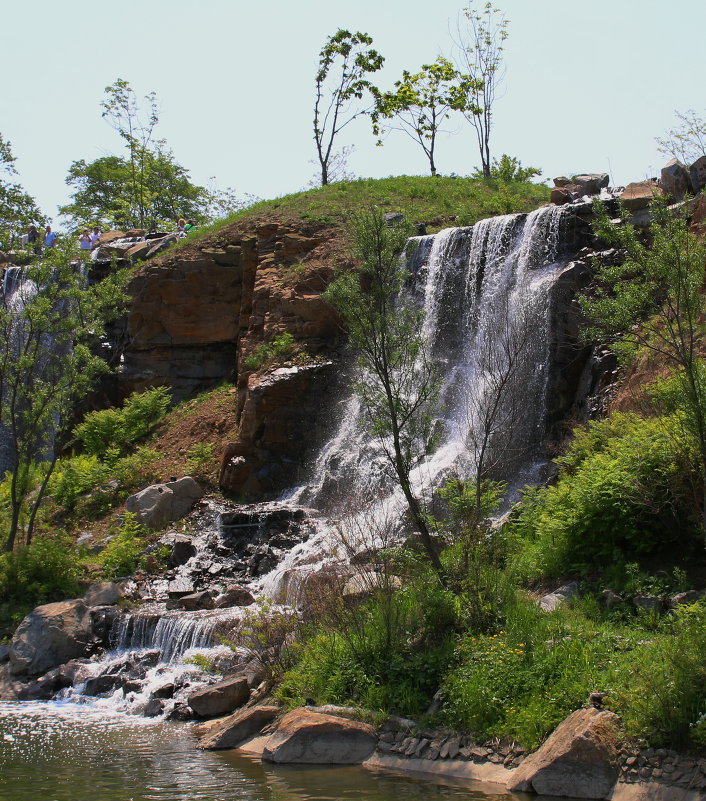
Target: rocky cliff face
[{"x": 198, "y": 313}]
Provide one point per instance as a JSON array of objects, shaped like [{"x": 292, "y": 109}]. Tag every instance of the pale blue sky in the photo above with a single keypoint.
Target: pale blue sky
[{"x": 587, "y": 84}]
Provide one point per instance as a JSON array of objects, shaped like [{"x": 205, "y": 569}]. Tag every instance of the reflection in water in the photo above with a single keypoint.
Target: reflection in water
[{"x": 65, "y": 752}]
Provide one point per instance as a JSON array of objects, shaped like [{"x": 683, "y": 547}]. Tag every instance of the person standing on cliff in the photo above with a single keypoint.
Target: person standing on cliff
[
  {"x": 33, "y": 238},
  {"x": 84, "y": 241},
  {"x": 95, "y": 236},
  {"x": 49, "y": 237}
]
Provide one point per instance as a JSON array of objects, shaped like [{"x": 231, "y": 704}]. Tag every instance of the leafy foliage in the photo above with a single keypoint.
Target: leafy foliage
[
  {"x": 47, "y": 363},
  {"x": 270, "y": 352},
  {"x": 654, "y": 300},
  {"x": 662, "y": 695},
  {"x": 422, "y": 102},
  {"x": 509, "y": 170},
  {"x": 17, "y": 208},
  {"x": 623, "y": 492},
  {"x": 147, "y": 188},
  {"x": 344, "y": 62},
  {"x": 122, "y": 554},
  {"x": 398, "y": 385},
  {"x": 46, "y": 570},
  {"x": 116, "y": 431}
]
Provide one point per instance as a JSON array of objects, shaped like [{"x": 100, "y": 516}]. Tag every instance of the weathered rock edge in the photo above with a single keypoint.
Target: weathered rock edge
[{"x": 588, "y": 737}]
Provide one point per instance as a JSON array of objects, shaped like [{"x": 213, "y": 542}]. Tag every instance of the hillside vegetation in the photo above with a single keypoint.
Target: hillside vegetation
[{"x": 622, "y": 521}]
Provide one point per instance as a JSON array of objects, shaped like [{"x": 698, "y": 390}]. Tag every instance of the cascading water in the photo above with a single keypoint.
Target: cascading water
[
  {"x": 487, "y": 294},
  {"x": 487, "y": 297}
]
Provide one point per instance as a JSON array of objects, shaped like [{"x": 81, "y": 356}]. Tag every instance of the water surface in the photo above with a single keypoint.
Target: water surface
[{"x": 69, "y": 752}]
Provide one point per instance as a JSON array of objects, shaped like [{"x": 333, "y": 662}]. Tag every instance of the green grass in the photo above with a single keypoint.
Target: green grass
[{"x": 439, "y": 202}]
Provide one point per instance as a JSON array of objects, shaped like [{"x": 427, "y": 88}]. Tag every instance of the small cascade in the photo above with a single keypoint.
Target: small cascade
[{"x": 172, "y": 634}]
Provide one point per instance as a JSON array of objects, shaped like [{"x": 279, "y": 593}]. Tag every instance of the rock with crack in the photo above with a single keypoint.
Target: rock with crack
[
  {"x": 579, "y": 759},
  {"x": 305, "y": 737},
  {"x": 160, "y": 504}
]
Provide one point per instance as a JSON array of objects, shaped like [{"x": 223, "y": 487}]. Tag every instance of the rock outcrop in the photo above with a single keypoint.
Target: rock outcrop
[
  {"x": 50, "y": 636},
  {"x": 220, "y": 698},
  {"x": 159, "y": 504},
  {"x": 580, "y": 758},
  {"x": 231, "y": 731},
  {"x": 305, "y": 737}
]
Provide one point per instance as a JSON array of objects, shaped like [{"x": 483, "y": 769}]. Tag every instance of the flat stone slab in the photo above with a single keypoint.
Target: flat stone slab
[{"x": 305, "y": 737}]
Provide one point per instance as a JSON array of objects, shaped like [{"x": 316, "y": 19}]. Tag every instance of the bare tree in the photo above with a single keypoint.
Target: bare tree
[{"x": 479, "y": 39}]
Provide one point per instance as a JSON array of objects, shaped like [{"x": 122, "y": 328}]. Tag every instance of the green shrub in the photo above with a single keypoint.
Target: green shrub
[
  {"x": 199, "y": 458},
  {"x": 118, "y": 430},
  {"x": 123, "y": 553},
  {"x": 623, "y": 493},
  {"x": 662, "y": 692},
  {"x": 75, "y": 476},
  {"x": 388, "y": 658},
  {"x": 47, "y": 570},
  {"x": 270, "y": 352},
  {"x": 524, "y": 679}
]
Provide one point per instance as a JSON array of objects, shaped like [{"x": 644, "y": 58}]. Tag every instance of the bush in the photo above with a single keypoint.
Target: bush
[
  {"x": 121, "y": 556},
  {"x": 76, "y": 476},
  {"x": 118, "y": 430},
  {"x": 662, "y": 693},
  {"x": 389, "y": 658},
  {"x": 47, "y": 570},
  {"x": 524, "y": 679},
  {"x": 270, "y": 352},
  {"x": 623, "y": 492}
]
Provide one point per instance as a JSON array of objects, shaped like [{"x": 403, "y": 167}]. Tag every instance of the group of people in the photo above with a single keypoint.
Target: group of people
[
  {"x": 184, "y": 226},
  {"x": 89, "y": 240},
  {"x": 32, "y": 237}
]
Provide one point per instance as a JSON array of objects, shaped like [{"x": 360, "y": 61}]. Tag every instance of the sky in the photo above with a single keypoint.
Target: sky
[{"x": 587, "y": 88}]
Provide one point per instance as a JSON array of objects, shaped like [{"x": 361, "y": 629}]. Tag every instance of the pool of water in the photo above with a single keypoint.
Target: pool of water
[{"x": 69, "y": 752}]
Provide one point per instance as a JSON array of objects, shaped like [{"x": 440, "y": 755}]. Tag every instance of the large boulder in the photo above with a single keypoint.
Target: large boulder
[
  {"x": 674, "y": 179},
  {"x": 305, "y": 737},
  {"x": 697, "y": 174},
  {"x": 105, "y": 593},
  {"x": 639, "y": 194},
  {"x": 579, "y": 759},
  {"x": 231, "y": 731},
  {"x": 220, "y": 698},
  {"x": 50, "y": 636},
  {"x": 234, "y": 596},
  {"x": 160, "y": 504},
  {"x": 591, "y": 184}
]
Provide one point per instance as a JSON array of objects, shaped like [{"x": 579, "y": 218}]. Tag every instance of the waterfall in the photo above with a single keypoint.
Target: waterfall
[
  {"x": 171, "y": 634},
  {"x": 486, "y": 293}
]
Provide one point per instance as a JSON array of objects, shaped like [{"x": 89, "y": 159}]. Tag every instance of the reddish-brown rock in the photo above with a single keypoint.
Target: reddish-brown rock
[
  {"x": 305, "y": 737},
  {"x": 231, "y": 731},
  {"x": 220, "y": 698},
  {"x": 639, "y": 195},
  {"x": 579, "y": 759}
]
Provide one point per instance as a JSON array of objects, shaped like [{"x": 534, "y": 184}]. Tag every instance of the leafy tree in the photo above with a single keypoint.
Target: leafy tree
[
  {"x": 147, "y": 188},
  {"x": 654, "y": 301},
  {"x": 687, "y": 141},
  {"x": 480, "y": 35},
  {"x": 421, "y": 104},
  {"x": 509, "y": 170},
  {"x": 398, "y": 385},
  {"x": 47, "y": 327},
  {"x": 17, "y": 208},
  {"x": 344, "y": 62}
]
